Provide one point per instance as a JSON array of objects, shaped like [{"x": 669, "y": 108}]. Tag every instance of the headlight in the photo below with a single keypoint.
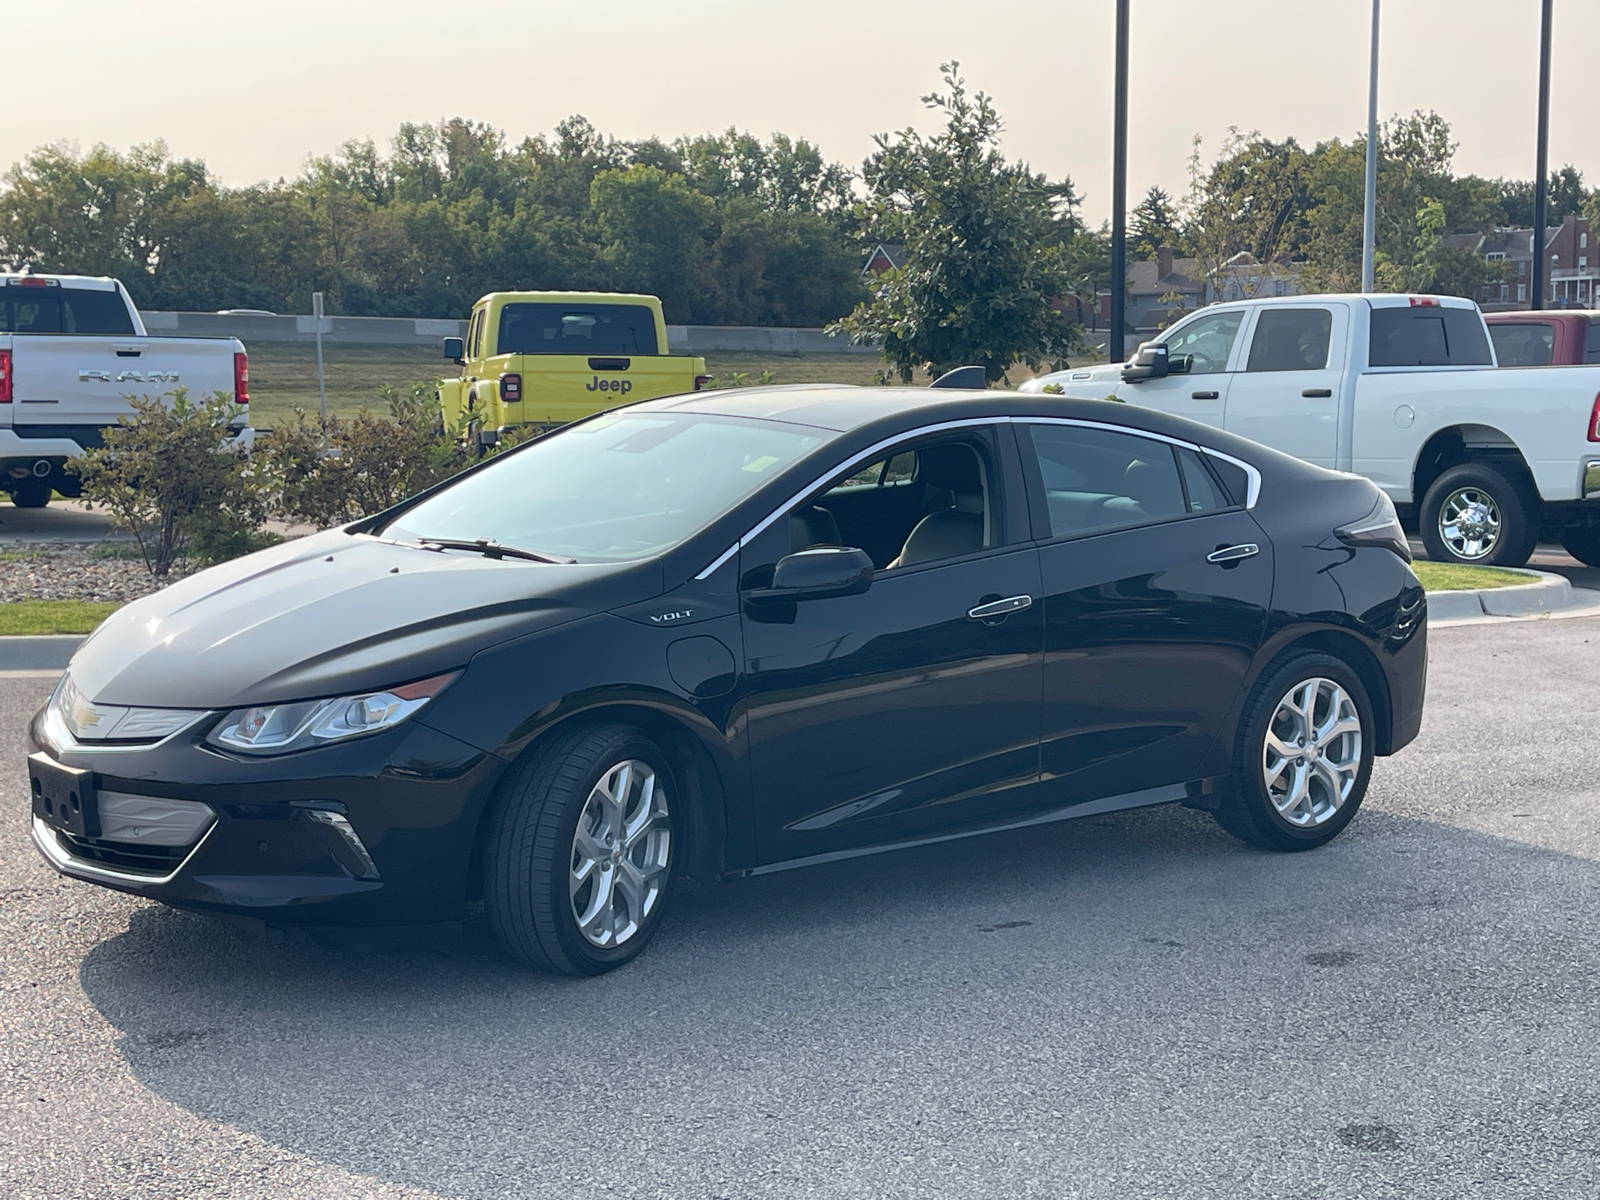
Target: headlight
[{"x": 283, "y": 728}]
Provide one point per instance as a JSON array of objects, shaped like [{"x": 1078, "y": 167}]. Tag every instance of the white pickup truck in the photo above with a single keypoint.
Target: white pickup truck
[
  {"x": 1402, "y": 389},
  {"x": 72, "y": 350}
]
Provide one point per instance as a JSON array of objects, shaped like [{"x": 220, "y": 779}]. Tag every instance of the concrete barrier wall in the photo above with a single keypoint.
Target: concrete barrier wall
[
  {"x": 422, "y": 331},
  {"x": 368, "y": 331}
]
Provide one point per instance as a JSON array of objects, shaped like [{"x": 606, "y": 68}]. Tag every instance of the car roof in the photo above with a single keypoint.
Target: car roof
[
  {"x": 848, "y": 409},
  {"x": 839, "y": 407}
]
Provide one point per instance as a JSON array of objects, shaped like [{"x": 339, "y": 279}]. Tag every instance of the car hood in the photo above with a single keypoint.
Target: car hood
[
  {"x": 333, "y": 614},
  {"x": 1084, "y": 383}
]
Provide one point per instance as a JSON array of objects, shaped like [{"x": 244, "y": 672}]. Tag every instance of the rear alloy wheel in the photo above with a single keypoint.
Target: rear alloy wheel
[
  {"x": 1583, "y": 543},
  {"x": 31, "y": 493},
  {"x": 579, "y": 851},
  {"x": 1478, "y": 515},
  {"x": 1302, "y": 756}
]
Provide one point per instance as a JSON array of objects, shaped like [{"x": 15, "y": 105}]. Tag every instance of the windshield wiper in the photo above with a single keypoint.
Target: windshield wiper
[{"x": 492, "y": 549}]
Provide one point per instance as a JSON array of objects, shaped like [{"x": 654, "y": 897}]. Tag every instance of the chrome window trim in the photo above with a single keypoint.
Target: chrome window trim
[
  {"x": 44, "y": 840},
  {"x": 1252, "y": 475}
]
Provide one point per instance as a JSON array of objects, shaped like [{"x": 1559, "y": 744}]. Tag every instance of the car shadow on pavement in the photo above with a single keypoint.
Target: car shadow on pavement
[{"x": 1139, "y": 991}]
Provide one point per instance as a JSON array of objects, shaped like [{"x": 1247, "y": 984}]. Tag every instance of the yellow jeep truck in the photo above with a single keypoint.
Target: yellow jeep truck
[{"x": 547, "y": 358}]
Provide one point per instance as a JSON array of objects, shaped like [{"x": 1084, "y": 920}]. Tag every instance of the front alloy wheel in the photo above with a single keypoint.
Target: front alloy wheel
[
  {"x": 578, "y": 850},
  {"x": 620, "y": 852}
]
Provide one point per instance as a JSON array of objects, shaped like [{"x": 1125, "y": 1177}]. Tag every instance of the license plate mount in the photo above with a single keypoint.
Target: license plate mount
[{"x": 63, "y": 797}]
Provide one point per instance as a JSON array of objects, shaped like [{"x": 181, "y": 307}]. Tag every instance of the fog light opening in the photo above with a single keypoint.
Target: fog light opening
[{"x": 362, "y": 867}]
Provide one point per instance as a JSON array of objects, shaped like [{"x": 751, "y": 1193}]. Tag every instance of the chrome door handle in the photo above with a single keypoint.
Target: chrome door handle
[
  {"x": 1233, "y": 553},
  {"x": 999, "y": 608}
]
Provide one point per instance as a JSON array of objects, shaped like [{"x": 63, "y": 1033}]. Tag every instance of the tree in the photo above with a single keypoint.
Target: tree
[
  {"x": 652, "y": 229},
  {"x": 1251, "y": 202},
  {"x": 1153, "y": 224},
  {"x": 983, "y": 261}
]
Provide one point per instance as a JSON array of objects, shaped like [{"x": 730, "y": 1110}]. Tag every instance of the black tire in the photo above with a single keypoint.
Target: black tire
[
  {"x": 1509, "y": 497},
  {"x": 31, "y": 493},
  {"x": 1247, "y": 810},
  {"x": 1583, "y": 543},
  {"x": 529, "y": 848}
]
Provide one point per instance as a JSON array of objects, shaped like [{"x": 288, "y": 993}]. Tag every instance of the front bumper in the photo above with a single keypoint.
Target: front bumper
[{"x": 377, "y": 832}]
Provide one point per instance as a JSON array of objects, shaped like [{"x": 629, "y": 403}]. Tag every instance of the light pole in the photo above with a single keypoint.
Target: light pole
[
  {"x": 1541, "y": 176},
  {"x": 1116, "y": 341},
  {"x": 1369, "y": 216}
]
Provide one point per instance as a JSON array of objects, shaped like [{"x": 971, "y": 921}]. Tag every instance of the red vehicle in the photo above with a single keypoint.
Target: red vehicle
[
  {"x": 1554, "y": 339},
  {"x": 1545, "y": 339}
]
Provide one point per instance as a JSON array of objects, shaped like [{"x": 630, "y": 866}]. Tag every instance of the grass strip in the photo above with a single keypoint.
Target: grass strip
[
  {"x": 1452, "y": 577},
  {"x": 24, "y": 618}
]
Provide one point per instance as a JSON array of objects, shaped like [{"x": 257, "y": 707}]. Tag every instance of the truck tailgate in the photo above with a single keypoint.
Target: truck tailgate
[
  {"x": 66, "y": 382},
  {"x": 558, "y": 388}
]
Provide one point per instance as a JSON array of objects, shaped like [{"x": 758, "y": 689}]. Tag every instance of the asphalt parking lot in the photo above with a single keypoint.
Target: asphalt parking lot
[{"x": 1128, "y": 1006}]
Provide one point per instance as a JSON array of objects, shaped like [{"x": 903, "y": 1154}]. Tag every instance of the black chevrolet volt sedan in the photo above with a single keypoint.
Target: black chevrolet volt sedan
[{"x": 730, "y": 633}]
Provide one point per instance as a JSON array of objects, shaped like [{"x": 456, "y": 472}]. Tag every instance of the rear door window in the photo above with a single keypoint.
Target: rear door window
[
  {"x": 1524, "y": 343},
  {"x": 1291, "y": 339},
  {"x": 1427, "y": 336},
  {"x": 535, "y": 328},
  {"x": 1099, "y": 479}
]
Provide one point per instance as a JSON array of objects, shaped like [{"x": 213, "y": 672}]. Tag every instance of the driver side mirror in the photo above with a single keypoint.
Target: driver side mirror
[
  {"x": 817, "y": 574},
  {"x": 1148, "y": 362},
  {"x": 455, "y": 349}
]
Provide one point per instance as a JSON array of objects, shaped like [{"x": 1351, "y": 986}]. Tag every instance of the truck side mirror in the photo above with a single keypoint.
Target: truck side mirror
[
  {"x": 1148, "y": 362},
  {"x": 455, "y": 349}
]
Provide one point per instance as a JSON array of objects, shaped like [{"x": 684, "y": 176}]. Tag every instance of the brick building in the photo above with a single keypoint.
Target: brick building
[{"x": 1570, "y": 256}]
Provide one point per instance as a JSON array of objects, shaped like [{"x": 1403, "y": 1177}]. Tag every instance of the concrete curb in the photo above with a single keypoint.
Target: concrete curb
[
  {"x": 49, "y": 653},
  {"x": 1548, "y": 593}
]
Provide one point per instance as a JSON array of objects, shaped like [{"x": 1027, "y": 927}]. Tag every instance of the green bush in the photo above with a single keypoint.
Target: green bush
[
  {"x": 332, "y": 472},
  {"x": 167, "y": 476}
]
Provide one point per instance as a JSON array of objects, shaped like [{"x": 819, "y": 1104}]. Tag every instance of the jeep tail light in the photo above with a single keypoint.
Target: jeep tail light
[
  {"x": 1594, "y": 413},
  {"x": 241, "y": 378},
  {"x": 5, "y": 379},
  {"x": 700, "y": 382},
  {"x": 511, "y": 387}
]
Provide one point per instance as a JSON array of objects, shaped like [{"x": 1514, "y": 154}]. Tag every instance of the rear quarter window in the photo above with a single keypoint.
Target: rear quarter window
[{"x": 1427, "y": 337}]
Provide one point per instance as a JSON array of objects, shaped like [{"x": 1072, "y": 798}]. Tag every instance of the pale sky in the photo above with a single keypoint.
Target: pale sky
[{"x": 253, "y": 88}]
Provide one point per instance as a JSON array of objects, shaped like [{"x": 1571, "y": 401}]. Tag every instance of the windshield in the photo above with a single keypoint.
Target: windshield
[{"x": 625, "y": 485}]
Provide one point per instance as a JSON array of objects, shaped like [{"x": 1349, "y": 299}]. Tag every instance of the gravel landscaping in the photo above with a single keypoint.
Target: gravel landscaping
[{"x": 68, "y": 571}]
